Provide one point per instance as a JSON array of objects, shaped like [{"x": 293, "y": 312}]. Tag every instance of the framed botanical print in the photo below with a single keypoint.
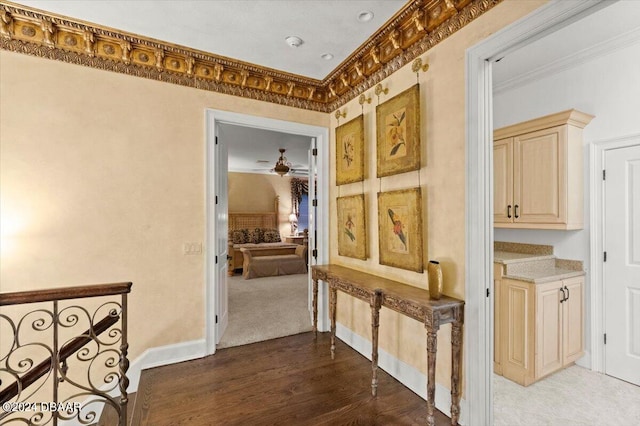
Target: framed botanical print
[
  {"x": 350, "y": 151},
  {"x": 400, "y": 229},
  {"x": 352, "y": 227},
  {"x": 398, "y": 133}
]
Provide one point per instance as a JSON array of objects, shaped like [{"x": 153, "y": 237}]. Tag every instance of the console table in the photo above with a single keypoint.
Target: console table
[{"x": 407, "y": 300}]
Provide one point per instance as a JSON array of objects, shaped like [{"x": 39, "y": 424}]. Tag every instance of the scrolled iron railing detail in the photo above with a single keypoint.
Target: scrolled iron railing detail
[{"x": 66, "y": 361}]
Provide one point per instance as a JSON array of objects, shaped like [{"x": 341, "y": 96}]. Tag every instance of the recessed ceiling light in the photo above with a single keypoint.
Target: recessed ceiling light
[
  {"x": 327, "y": 56},
  {"x": 294, "y": 41},
  {"x": 365, "y": 16}
]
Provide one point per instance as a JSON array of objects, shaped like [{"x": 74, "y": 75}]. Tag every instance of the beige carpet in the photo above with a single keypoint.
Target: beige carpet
[
  {"x": 266, "y": 308},
  {"x": 574, "y": 396}
]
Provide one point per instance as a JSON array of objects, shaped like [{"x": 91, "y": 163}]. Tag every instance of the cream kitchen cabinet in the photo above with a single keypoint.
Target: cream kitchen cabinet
[
  {"x": 541, "y": 327},
  {"x": 538, "y": 173}
]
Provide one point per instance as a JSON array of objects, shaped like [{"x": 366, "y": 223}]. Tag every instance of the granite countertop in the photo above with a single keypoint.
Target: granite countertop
[
  {"x": 534, "y": 263},
  {"x": 539, "y": 277}
]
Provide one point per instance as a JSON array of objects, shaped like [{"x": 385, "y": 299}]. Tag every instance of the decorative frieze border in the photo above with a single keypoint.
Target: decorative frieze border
[{"x": 418, "y": 26}]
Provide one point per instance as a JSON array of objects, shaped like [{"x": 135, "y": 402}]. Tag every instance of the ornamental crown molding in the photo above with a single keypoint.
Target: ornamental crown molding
[{"x": 418, "y": 26}]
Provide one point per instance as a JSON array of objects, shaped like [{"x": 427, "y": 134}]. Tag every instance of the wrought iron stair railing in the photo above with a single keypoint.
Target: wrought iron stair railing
[{"x": 74, "y": 380}]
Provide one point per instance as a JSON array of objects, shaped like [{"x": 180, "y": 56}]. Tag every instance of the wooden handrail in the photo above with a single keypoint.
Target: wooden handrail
[
  {"x": 66, "y": 351},
  {"x": 78, "y": 292}
]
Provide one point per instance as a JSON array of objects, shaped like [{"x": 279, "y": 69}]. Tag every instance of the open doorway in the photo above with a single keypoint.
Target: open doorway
[
  {"x": 482, "y": 115},
  {"x": 218, "y": 213},
  {"x": 267, "y": 216}
]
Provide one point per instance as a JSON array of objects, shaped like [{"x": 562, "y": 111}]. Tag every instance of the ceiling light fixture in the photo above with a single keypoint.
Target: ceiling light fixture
[
  {"x": 327, "y": 56},
  {"x": 282, "y": 166},
  {"x": 365, "y": 16},
  {"x": 294, "y": 41}
]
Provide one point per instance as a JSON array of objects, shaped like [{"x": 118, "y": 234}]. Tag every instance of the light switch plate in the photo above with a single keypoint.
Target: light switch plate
[{"x": 192, "y": 248}]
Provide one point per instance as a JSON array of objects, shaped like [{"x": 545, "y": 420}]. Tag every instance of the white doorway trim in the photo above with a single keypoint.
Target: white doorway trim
[
  {"x": 479, "y": 191},
  {"x": 213, "y": 117},
  {"x": 598, "y": 150}
]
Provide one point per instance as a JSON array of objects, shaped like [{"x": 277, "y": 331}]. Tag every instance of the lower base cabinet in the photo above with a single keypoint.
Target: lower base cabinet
[{"x": 540, "y": 327}]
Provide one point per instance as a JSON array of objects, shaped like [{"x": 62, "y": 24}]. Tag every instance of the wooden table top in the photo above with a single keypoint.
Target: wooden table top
[{"x": 398, "y": 296}]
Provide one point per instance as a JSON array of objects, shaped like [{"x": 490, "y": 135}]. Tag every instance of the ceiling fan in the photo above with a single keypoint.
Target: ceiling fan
[{"x": 282, "y": 167}]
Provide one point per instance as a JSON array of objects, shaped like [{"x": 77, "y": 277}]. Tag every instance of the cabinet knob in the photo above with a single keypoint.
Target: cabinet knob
[
  {"x": 568, "y": 294},
  {"x": 515, "y": 211},
  {"x": 509, "y": 211},
  {"x": 564, "y": 297}
]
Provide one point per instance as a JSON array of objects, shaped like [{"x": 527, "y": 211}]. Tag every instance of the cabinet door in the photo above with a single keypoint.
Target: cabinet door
[
  {"x": 573, "y": 318},
  {"x": 503, "y": 181},
  {"x": 549, "y": 328},
  {"x": 540, "y": 176},
  {"x": 517, "y": 335}
]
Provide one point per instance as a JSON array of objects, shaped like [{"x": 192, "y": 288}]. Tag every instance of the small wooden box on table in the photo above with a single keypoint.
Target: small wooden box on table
[{"x": 407, "y": 300}]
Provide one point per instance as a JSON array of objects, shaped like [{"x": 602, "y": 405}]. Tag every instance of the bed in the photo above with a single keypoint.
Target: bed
[{"x": 254, "y": 230}]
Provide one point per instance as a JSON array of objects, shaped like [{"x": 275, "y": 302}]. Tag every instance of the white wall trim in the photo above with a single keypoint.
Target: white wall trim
[
  {"x": 164, "y": 355},
  {"x": 479, "y": 192},
  {"x": 152, "y": 357},
  {"x": 578, "y": 58},
  {"x": 597, "y": 151},
  {"x": 212, "y": 117},
  {"x": 406, "y": 374}
]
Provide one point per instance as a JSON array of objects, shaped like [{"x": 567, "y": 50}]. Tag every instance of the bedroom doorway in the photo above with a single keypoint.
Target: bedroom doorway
[{"x": 216, "y": 220}]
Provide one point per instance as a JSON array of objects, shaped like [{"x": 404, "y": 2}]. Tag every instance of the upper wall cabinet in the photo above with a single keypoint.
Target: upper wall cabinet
[{"x": 538, "y": 173}]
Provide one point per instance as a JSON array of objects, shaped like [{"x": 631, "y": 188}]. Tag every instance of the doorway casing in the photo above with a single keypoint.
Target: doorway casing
[
  {"x": 321, "y": 134},
  {"x": 479, "y": 191}
]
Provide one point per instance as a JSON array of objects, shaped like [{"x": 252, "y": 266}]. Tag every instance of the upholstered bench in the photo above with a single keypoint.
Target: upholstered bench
[{"x": 263, "y": 263}]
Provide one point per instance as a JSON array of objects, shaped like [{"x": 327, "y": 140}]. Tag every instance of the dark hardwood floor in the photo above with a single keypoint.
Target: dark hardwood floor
[{"x": 286, "y": 381}]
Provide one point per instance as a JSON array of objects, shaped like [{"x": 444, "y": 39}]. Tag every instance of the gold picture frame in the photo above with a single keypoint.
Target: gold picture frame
[
  {"x": 350, "y": 151},
  {"x": 400, "y": 229},
  {"x": 398, "y": 133},
  {"x": 352, "y": 227}
]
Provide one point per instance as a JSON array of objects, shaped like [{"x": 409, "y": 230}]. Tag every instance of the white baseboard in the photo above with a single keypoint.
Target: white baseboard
[
  {"x": 164, "y": 355},
  {"x": 401, "y": 371},
  {"x": 153, "y": 357},
  {"x": 585, "y": 361}
]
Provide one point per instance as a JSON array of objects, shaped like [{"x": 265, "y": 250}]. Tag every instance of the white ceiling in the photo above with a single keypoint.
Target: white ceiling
[
  {"x": 571, "y": 45},
  {"x": 247, "y": 146},
  {"x": 248, "y": 30}
]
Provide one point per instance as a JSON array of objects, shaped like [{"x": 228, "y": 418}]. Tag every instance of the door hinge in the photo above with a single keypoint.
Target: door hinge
[
  {"x": 314, "y": 203},
  {"x": 216, "y": 140},
  {"x": 314, "y": 253},
  {"x": 216, "y": 260},
  {"x": 605, "y": 256},
  {"x": 216, "y": 319},
  {"x": 605, "y": 338},
  {"x": 488, "y": 292},
  {"x": 314, "y": 151},
  {"x": 604, "y": 174}
]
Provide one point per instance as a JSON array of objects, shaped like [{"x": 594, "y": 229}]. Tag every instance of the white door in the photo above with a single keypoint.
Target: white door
[
  {"x": 622, "y": 265},
  {"x": 221, "y": 250}
]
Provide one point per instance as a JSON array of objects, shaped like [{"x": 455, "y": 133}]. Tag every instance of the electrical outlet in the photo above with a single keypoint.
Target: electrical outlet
[{"x": 192, "y": 248}]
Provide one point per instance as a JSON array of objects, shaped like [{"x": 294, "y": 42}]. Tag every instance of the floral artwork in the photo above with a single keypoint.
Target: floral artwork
[
  {"x": 350, "y": 152},
  {"x": 400, "y": 229},
  {"x": 398, "y": 215},
  {"x": 398, "y": 133},
  {"x": 352, "y": 238}
]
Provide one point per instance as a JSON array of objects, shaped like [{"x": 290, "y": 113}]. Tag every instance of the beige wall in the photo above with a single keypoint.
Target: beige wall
[
  {"x": 442, "y": 179},
  {"x": 251, "y": 192},
  {"x": 103, "y": 180}
]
